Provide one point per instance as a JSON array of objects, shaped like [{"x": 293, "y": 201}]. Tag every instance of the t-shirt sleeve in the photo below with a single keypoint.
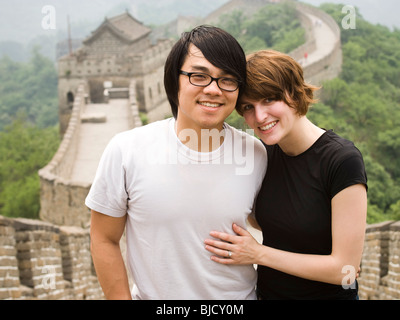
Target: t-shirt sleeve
[
  {"x": 108, "y": 194},
  {"x": 349, "y": 170}
]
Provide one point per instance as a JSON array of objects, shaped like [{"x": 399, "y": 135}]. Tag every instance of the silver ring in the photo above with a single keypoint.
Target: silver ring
[{"x": 229, "y": 254}]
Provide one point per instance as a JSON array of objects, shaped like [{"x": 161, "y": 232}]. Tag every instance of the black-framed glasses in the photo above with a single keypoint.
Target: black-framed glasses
[{"x": 199, "y": 79}]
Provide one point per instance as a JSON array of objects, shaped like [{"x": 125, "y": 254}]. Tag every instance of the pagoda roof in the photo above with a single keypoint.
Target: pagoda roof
[{"x": 123, "y": 26}]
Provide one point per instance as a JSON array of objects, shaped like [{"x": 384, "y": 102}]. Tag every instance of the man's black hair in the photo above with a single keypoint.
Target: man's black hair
[{"x": 219, "y": 47}]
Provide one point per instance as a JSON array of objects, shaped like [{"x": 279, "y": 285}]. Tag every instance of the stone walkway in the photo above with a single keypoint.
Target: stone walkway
[
  {"x": 100, "y": 122},
  {"x": 325, "y": 41}
]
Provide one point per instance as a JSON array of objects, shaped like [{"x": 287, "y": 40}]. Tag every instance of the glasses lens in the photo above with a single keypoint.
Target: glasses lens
[
  {"x": 228, "y": 84},
  {"x": 200, "y": 79}
]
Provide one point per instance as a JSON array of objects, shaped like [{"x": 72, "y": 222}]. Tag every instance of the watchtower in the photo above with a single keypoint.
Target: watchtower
[{"x": 117, "y": 52}]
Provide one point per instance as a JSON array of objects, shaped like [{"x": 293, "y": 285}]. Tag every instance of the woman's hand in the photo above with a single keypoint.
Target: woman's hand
[{"x": 242, "y": 249}]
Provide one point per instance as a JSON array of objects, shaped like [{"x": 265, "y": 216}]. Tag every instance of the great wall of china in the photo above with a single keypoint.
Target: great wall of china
[{"x": 50, "y": 258}]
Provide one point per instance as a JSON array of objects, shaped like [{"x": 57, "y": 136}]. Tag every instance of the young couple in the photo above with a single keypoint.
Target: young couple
[{"x": 186, "y": 220}]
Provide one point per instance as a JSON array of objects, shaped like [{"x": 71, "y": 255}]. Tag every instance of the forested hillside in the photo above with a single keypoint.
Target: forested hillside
[
  {"x": 29, "y": 134},
  {"x": 273, "y": 26},
  {"x": 24, "y": 149},
  {"x": 29, "y": 89},
  {"x": 363, "y": 104}
]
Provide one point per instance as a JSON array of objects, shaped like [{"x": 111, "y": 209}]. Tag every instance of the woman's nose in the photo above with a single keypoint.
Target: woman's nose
[{"x": 260, "y": 113}]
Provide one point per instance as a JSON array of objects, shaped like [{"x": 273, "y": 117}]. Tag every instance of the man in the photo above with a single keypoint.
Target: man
[{"x": 171, "y": 182}]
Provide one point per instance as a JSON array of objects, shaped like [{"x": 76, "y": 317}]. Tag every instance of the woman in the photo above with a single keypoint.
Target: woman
[{"x": 313, "y": 202}]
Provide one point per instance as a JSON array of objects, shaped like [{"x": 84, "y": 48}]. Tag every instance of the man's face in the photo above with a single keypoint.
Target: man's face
[{"x": 203, "y": 107}]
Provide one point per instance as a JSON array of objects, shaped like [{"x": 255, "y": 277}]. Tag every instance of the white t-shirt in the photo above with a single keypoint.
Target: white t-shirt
[{"x": 174, "y": 197}]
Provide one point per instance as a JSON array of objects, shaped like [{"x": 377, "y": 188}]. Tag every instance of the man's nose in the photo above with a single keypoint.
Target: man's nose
[{"x": 213, "y": 88}]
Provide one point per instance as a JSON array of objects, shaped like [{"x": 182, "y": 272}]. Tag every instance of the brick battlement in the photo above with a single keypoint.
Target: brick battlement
[
  {"x": 380, "y": 266},
  {"x": 39, "y": 260}
]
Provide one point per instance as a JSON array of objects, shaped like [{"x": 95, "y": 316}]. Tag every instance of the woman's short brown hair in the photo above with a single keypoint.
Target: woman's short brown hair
[{"x": 275, "y": 75}]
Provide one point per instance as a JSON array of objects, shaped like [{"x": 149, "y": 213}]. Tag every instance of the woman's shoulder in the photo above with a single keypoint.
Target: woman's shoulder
[{"x": 336, "y": 146}]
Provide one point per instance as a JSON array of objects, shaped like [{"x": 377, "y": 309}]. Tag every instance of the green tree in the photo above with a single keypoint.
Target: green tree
[
  {"x": 237, "y": 121},
  {"x": 24, "y": 149},
  {"x": 28, "y": 88},
  {"x": 363, "y": 105},
  {"x": 394, "y": 211},
  {"x": 274, "y": 26}
]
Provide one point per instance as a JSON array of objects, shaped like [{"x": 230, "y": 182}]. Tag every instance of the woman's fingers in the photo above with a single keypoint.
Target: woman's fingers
[
  {"x": 222, "y": 260},
  {"x": 219, "y": 252},
  {"x": 240, "y": 231},
  {"x": 223, "y": 236},
  {"x": 228, "y": 237},
  {"x": 230, "y": 249}
]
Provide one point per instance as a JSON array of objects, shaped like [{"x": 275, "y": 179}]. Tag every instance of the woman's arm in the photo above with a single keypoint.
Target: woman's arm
[
  {"x": 105, "y": 234},
  {"x": 349, "y": 208}
]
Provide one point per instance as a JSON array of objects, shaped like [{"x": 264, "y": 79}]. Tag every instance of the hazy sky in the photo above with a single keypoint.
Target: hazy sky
[
  {"x": 20, "y": 20},
  {"x": 385, "y": 12}
]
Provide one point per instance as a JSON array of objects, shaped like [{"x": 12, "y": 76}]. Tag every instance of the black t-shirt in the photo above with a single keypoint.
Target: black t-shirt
[{"x": 293, "y": 209}]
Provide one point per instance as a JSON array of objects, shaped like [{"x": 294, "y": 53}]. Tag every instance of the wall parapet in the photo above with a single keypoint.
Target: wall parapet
[
  {"x": 61, "y": 164},
  {"x": 310, "y": 44},
  {"x": 39, "y": 260},
  {"x": 62, "y": 201},
  {"x": 134, "y": 116},
  {"x": 56, "y": 191},
  {"x": 380, "y": 265},
  {"x": 328, "y": 66}
]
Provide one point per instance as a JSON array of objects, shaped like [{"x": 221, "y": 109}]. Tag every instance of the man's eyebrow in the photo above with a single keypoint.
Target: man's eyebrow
[
  {"x": 201, "y": 68},
  {"x": 206, "y": 70}
]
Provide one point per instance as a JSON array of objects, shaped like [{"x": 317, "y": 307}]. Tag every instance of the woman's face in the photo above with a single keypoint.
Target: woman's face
[{"x": 272, "y": 121}]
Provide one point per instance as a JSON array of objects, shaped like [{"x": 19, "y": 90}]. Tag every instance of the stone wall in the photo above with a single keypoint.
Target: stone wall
[
  {"x": 307, "y": 24},
  {"x": 41, "y": 261},
  {"x": 149, "y": 77},
  {"x": 57, "y": 196},
  {"x": 145, "y": 67},
  {"x": 380, "y": 266},
  {"x": 62, "y": 201},
  {"x": 329, "y": 66}
]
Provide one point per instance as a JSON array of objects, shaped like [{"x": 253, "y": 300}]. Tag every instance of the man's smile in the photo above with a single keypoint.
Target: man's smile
[{"x": 210, "y": 104}]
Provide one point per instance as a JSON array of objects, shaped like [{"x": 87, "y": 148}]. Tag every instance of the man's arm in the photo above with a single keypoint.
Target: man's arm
[{"x": 105, "y": 233}]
